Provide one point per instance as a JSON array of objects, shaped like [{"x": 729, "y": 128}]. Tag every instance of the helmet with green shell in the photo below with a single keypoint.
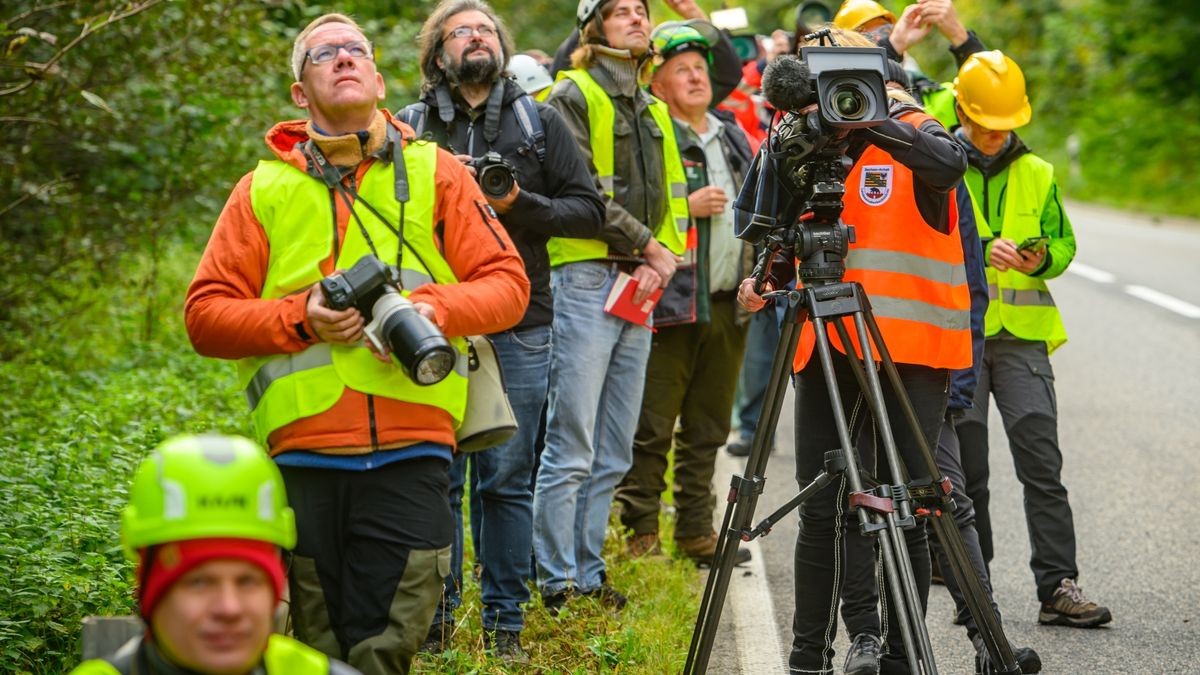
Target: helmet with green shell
[
  {"x": 675, "y": 37},
  {"x": 209, "y": 486}
]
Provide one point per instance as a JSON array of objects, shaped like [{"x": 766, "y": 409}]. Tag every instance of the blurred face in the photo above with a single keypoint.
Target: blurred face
[
  {"x": 628, "y": 27},
  {"x": 988, "y": 142},
  {"x": 344, "y": 87},
  {"x": 216, "y": 618},
  {"x": 876, "y": 29},
  {"x": 471, "y": 50},
  {"x": 682, "y": 82}
]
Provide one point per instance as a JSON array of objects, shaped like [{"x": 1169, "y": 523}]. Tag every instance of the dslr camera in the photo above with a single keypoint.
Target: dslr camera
[
  {"x": 394, "y": 325},
  {"x": 494, "y": 174}
]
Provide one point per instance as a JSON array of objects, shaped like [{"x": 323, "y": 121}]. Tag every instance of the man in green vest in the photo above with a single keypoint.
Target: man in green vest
[
  {"x": 206, "y": 521},
  {"x": 363, "y": 447},
  {"x": 599, "y": 360},
  {"x": 1027, "y": 239},
  {"x": 700, "y": 331}
]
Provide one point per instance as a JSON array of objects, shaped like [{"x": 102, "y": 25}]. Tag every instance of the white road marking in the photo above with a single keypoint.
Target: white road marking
[
  {"x": 1097, "y": 275},
  {"x": 749, "y": 598},
  {"x": 1165, "y": 301}
]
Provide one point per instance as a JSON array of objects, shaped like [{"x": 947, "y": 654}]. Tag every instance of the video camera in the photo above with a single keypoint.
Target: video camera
[{"x": 823, "y": 94}]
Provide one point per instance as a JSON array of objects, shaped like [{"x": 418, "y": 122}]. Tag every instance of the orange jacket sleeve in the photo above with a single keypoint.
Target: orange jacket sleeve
[
  {"x": 493, "y": 290},
  {"x": 225, "y": 315}
]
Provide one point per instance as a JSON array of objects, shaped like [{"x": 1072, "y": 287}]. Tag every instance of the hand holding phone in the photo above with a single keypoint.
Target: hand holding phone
[{"x": 1034, "y": 244}]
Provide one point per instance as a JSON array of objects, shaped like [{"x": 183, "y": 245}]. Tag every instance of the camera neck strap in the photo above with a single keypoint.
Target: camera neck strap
[{"x": 333, "y": 177}]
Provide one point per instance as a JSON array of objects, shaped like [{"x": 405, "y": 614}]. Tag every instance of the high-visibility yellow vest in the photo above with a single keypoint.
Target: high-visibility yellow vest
[
  {"x": 940, "y": 103},
  {"x": 672, "y": 232},
  {"x": 1020, "y": 304},
  {"x": 297, "y": 214},
  {"x": 284, "y": 656}
]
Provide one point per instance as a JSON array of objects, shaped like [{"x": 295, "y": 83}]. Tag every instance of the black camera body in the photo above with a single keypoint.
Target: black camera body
[
  {"x": 393, "y": 325},
  {"x": 494, "y": 174}
]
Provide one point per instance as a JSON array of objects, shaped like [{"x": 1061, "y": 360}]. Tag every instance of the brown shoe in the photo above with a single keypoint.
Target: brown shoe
[
  {"x": 700, "y": 550},
  {"x": 1069, "y": 607},
  {"x": 639, "y": 545}
]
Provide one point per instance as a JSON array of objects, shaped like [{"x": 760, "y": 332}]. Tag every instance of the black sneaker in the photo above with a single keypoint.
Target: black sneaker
[
  {"x": 608, "y": 596},
  {"x": 740, "y": 447},
  {"x": 1069, "y": 607},
  {"x": 863, "y": 657},
  {"x": 1027, "y": 659},
  {"x": 555, "y": 602},
  {"x": 506, "y": 646},
  {"x": 437, "y": 640}
]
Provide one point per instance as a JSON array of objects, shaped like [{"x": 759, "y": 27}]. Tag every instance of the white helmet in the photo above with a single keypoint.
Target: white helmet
[{"x": 531, "y": 75}]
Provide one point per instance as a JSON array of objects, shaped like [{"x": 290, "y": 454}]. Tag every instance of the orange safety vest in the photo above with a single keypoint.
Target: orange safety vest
[{"x": 913, "y": 274}]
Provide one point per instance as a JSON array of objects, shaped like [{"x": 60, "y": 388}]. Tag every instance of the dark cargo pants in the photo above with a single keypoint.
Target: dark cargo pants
[
  {"x": 1017, "y": 374},
  {"x": 372, "y": 550},
  {"x": 690, "y": 377}
]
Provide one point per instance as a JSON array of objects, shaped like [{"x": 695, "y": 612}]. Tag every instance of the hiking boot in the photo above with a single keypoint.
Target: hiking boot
[
  {"x": 640, "y": 545},
  {"x": 506, "y": 646},
  {"x": 437, "y": 640},
  {"x": 863, "y": 657},
  {"x": 1069, "y": 607},
  {"x": 608, "y": 596},
  {"x": 700, "y": 550},
  {"x": 555, "y": 602}
]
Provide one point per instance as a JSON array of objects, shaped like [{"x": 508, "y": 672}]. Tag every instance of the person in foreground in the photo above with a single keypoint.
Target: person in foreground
[{"x": 207, "y": 520}]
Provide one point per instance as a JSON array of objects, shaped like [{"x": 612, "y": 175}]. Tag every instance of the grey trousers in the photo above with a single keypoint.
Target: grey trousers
[{"x": 1017, "y": 374}]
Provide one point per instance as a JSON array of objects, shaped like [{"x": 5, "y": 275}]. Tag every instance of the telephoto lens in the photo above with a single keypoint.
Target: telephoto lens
[{"x": 415, "y": 343}]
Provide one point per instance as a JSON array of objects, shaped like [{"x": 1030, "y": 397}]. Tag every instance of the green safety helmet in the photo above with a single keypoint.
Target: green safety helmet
[
  {"x": 202, "y": 487},
  {"x": 675, "y": 37}
]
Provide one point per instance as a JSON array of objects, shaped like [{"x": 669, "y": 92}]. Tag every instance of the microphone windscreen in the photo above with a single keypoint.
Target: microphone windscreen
[{"x": 786, "y": 84}]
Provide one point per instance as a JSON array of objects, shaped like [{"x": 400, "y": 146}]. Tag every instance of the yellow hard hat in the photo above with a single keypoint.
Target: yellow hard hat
[
  {"x": 855, "y": 13},
  {"x": 990, "y": 89}
]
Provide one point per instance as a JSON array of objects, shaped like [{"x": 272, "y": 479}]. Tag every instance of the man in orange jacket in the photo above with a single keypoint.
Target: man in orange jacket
[{"x": 363, "y": 449}]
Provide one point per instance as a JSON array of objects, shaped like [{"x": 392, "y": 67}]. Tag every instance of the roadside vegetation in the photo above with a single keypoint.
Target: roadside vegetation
[{"x": 123, "y": 126}]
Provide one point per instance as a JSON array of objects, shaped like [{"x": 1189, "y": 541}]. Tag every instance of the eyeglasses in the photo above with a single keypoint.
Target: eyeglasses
[
  {"x": 359, "y": 49},
  {"x": 467, "y": 31}
]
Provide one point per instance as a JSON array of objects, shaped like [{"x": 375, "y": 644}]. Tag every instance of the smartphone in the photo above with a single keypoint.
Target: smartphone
[{"x": 1034, "y": 244}]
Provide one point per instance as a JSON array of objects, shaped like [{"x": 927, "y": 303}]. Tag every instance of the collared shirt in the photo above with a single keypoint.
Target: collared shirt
[{"x": 724, "y": 249}]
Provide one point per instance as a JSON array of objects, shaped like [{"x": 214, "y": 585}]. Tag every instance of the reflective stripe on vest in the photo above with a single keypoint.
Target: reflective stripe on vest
[
  {"x": 913, "y": 274},
  {"x": 287, "y": 656},
  {"x": 672, "y": 231},
  {"x": 1021, "y": 304},
  {"x": 296, "y": 213}
]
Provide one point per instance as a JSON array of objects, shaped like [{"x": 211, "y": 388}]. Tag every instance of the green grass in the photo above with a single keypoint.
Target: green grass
[
  {"x": 88, "y": 394},
  {"x": 649, "y": 636}
]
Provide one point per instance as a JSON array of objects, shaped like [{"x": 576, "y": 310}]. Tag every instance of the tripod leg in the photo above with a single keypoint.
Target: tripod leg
[
  {"x": 743, "y": 494},
  {"x": 976, "y": 596},
  {"x": 890, "y": 534}
]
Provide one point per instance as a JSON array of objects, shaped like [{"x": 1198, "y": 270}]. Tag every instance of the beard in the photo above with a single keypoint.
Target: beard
[{"x": 473, "y": 71}]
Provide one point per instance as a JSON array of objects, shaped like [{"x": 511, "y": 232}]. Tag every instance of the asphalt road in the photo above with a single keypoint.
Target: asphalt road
[{"x": 1128, "y": 384}]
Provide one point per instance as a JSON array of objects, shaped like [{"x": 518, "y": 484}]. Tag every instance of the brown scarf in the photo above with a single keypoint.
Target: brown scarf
[{"x": 347, "y": 149}]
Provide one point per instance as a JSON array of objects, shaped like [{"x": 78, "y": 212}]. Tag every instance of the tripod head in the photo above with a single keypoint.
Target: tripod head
[{"x": 811, "y": 163}]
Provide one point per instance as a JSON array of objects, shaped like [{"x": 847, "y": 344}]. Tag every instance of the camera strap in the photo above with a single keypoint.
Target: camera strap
[{"x": 319, "y": 167}]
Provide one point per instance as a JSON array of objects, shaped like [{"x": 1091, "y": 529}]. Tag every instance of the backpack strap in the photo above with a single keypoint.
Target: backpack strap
[
  {"x": 414, "y": 115},
  {"x": 526, "y": 111}
]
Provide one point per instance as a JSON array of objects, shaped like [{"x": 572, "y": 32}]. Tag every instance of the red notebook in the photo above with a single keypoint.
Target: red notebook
[{"x": 620, "y": 301}]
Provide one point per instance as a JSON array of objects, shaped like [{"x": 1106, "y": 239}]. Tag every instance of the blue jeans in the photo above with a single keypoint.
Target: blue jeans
[
  {"x": 501, "y": 502},
  {"x": 596, "y": 381}
]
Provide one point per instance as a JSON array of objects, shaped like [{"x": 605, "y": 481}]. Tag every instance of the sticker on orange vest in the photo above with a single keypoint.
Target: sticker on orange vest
[{"x": 876, "y": 184}]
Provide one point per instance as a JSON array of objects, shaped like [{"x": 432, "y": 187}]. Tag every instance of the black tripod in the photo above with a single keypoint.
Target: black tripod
[{"x": 884, "y": 510}]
